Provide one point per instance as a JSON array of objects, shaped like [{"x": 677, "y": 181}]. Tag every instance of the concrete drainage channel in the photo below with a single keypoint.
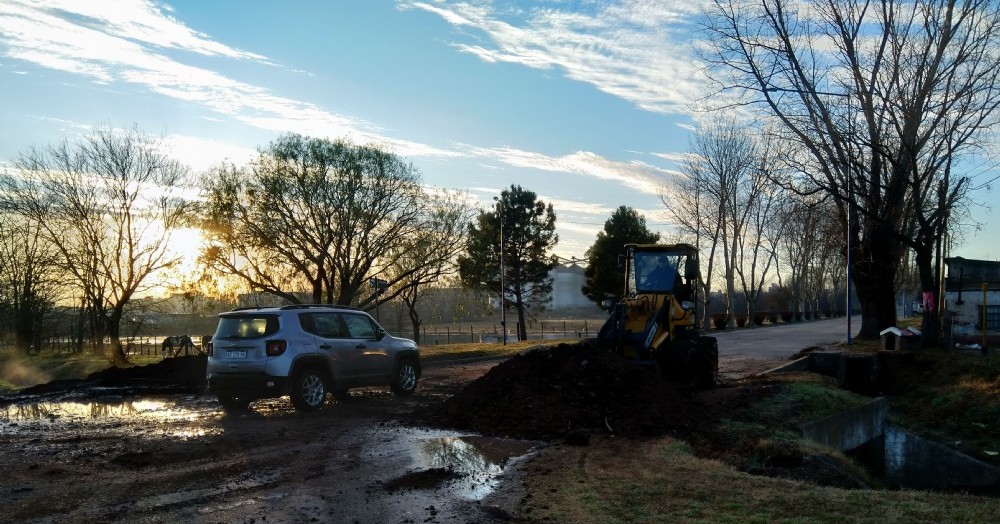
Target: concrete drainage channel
[{"x": 902, "y": 459}]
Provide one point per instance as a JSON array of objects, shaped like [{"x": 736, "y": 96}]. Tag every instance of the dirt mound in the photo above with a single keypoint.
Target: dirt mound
[
  {"x": 171, "y": 375},
  {"x": 569, "y": 390}
]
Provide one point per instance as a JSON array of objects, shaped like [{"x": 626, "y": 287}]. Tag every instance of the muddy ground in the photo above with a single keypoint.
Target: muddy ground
[
  {"x": 147, "y": 445},
  {"x": 137, "y": 447}
]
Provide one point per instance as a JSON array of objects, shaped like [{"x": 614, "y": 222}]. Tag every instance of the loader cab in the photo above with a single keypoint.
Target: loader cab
[{"x": 661, "y": 269}]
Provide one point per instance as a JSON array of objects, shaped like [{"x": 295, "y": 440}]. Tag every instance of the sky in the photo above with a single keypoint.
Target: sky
[{"x": 587, "y": 103}]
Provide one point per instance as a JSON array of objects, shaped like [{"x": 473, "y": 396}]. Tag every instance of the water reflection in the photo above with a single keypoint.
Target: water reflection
[
  {"x": 457, "y": 454},
  {"x": 79, "y": 410},
  {"x": 479, "y": 460},
  {"x": 13, "y": 417}
]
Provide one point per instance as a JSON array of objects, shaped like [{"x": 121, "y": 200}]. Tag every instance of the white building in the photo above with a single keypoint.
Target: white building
[
  {"x": 964, "y": 294},
  {"x": 567, "y": 286}
]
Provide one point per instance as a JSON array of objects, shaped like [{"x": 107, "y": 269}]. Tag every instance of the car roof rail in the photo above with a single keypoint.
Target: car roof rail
[
  {"x": 329, "y": 306},
  {"x": 247, "y": 308}
]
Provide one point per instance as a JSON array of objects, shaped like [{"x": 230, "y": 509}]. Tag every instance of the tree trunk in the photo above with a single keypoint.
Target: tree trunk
[
  {"x": 415, "y": 320},
  {"x": 117, "y": 354},
  {"x": 24, "y": 328},
  {"x": 874, "y": 276},
  {"x": 928, "y": 283},
  {"x": 522, "y": 326}
]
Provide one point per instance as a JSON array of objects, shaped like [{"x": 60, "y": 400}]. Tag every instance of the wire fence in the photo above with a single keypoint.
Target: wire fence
[
  {"x": 154, "y": 345},
  {"x": 477, "y": 333}
]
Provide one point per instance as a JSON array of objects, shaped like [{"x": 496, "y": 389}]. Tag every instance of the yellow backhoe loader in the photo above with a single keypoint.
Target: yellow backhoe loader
[{"x": 656, "y": 321}]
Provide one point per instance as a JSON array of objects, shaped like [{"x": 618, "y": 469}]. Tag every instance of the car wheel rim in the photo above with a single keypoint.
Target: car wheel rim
[
  {"x": 407, "y": 377},
  {"x": 313, "y": 390}
]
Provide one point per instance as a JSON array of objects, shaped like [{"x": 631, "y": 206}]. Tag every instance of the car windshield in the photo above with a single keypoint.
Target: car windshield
[{"x": 246, "y": 326}]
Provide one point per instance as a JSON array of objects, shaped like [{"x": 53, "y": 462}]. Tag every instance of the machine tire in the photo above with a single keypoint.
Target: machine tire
[
  {"x": 706, "y": 363},
  {"x": 404, "y": 378},
  {"x": 309, "y": 389}
]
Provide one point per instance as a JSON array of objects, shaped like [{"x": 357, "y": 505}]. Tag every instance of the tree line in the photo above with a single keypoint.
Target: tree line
[{"x": 92, "y": 225}]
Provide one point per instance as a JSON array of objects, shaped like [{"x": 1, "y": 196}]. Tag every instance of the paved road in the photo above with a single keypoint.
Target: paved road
[{"x": 745, "y": 351}]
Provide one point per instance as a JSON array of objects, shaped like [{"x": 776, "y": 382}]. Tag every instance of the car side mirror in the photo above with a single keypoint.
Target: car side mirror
[{"x": 379, "y": 334}]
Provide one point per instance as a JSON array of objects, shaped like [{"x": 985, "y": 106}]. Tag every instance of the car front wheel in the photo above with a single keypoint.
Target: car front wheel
[
  {"x": 308, "y": 390},
  {"x": 404, "y": 381}
]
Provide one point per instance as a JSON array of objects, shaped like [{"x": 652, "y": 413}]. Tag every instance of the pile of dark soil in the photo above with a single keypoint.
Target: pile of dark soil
[
  {"x": 171, "y": 375},
  {"x": 571, "y": 390}
]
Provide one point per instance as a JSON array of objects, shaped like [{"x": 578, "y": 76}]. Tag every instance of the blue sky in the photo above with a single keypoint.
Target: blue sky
[{"x": 586, "y": 103}]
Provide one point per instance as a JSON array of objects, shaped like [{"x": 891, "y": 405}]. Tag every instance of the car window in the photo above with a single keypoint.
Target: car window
[
  {"x": 326, "y": 325},
  {"x": 359, "y": 326},
  {"x": 246, "y": 326}
]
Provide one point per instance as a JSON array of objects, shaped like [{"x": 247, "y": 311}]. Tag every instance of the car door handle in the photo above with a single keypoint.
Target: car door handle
[
  {"x": 360, "y": 346},
  {"x": 325, "y": 346}
]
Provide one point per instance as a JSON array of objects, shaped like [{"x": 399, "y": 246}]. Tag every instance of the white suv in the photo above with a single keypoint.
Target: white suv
[{"x": 305, "y": 351}]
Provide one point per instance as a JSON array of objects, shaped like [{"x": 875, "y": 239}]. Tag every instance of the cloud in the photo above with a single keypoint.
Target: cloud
[
  {"x": 200, "y": 154},
  {"x": 574, "y": 206},
  {"x": 118, "y": 41},
  {"x": 637, "y": 50},
  {"x": 635, "y": 175}
]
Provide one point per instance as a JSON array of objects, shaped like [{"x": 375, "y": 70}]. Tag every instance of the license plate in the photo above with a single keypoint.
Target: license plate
[{"x": 236, "y": 354}]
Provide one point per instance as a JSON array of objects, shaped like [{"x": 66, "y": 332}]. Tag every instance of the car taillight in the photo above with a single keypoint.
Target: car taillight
[
  {"x": 210, "y": 348},
  {"x": 275, "y": 347}
]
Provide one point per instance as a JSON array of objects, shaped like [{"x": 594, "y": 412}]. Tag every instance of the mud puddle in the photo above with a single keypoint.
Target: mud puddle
[{"x": 468, "y": 466}]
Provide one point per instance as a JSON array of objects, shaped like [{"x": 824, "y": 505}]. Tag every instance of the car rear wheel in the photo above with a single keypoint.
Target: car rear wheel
[
  {"x": 404, "y": 380},
  {"x": 308, "y": 390}
]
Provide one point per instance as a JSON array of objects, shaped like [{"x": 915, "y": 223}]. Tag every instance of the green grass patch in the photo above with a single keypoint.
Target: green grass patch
[
  {"x": 626, "y": 481},
  {"x": 952, "y": 398},
  {"x": 801, "y": 401},
  {"x": 20, "y": 371}
]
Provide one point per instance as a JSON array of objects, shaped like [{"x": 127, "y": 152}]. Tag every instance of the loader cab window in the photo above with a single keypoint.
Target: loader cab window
[{"x": 656, "y": 272}]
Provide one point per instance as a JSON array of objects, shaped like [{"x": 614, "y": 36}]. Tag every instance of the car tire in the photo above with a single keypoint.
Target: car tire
[
  {"x": 234, "y": 403},
  {"x": 404, "y": 378},
  {"x": 309, "y": 390}
]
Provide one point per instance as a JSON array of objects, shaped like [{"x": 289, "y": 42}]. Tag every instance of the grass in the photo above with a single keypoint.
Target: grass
[
  {"x": 953, "y": 398},
  {"x": 20, "y": 371},
  {"x": 628, "y": 481},
  {"x": 803, "y": 398},
  {"x": 766, "y": 433}
]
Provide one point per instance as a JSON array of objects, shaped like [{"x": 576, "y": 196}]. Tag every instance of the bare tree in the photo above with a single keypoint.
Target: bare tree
[
  {"x": 28, "y": 277},
  {"x": 710, "y": 199},
  {"x": 808, "y": 252},
  {"x": 758, "y": 200},
  {"x": 425, "y": 258},
  {"x": 108, "y": 205},
  {"x": 312, "y": 215},
  {"x": 884, "y": 97}
]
